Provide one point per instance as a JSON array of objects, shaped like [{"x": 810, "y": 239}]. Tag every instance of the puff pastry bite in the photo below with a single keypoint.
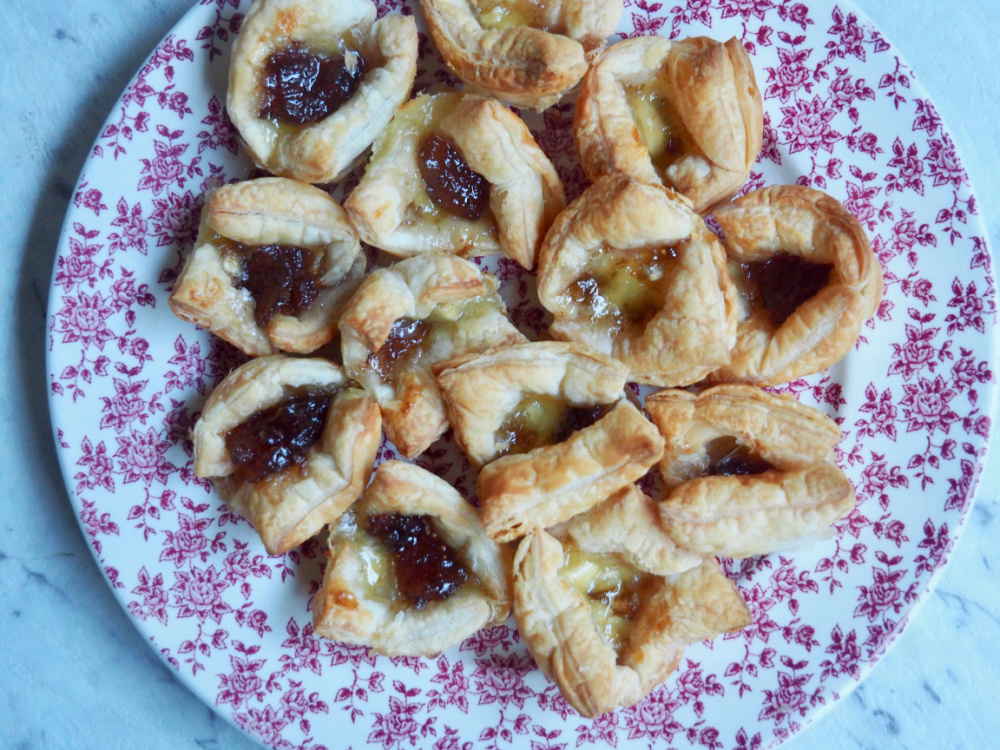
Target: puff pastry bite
[
  {"x": 289, "y": 443},
  {"x": 807, "y": 280},
  {"x": 405, "y": 318},
  {"x": 411, "y": 570},
  {"x": 608, "y": 628},
  {"x": 457, "y": 174},
  {"x": 271, "y": 268},
  {"x": 312, "y": 82},
  {"x": 750, "y": 472},
  {"x": 686, "y": 114},
  {"x": 526, "y": 52},
  {"x": 632, "y": 271}
]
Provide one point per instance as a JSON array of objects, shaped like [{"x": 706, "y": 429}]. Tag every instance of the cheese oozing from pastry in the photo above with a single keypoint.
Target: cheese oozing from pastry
[
  {"x": 660, "y": 127},
  {"x": 541, "y": 419},
  {"x": 507, "y": 14}
]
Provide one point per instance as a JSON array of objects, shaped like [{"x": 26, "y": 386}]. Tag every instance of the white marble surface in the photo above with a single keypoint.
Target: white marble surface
[{"x": 76, "y": 674}]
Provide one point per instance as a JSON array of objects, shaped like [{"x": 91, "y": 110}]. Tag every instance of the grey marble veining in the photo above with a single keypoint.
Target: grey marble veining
[{"x": 76, "y": 674}]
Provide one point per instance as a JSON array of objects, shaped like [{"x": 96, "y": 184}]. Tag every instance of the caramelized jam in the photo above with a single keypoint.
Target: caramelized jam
[
  {"x": 302, "y": 86},
  {"x": 784, "y": 282},
  {"x": 726, "y": 457},
  {"x": 426, "y": 568},
  {"x": 625, "y": 288},
  {"x": 540, "y": 419},
  {"x": 614, "y": 590},
  {"x": 658, "y": 124},
  {"x": 505, "y": 14},
  {"x": 404, "y": 341},
  {"x": 450, "y": 181},
  {"x": 278, "y": 437}
]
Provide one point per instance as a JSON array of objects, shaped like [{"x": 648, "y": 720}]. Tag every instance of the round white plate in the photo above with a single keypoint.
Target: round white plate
[{"x": 127, "y": 379}]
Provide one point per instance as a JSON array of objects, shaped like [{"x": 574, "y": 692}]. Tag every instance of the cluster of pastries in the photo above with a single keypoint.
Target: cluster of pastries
[{"x": 607, "y": 585}]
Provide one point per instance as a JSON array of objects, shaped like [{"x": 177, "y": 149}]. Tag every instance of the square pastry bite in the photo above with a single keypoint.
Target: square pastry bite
[
  {"x": 606, "y": 603},
  {"x": 407, "y": 317},
  {"x": 272, "y": 265},
  {"x": 526, "y": 52},
  {"x": 457, "y": 174},
  {"x": 749, "y": 472},
  {"x": 312, "y": 82},
  {"x": 632, "y": 271},
  {"x": 686, "y": 114},
  {"x": 807, "y": 280},
  {"x": 411, "y": 570},
  {"x": 289, "y": 444}
]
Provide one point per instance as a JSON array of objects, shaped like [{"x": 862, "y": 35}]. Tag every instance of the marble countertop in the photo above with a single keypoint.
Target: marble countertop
[{"x": 76, "y": 673}]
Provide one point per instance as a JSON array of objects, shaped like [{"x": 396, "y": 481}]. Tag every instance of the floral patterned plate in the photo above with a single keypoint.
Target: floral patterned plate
[{"x": 127, "y": 379}]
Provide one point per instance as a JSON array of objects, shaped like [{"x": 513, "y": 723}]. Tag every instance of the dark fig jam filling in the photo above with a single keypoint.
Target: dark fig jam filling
[
  {"x": 450, "y": 181},
  {"x": 405, "y": 338},
  {"x": 426, "y": 568},
  {"x": 540, "y": 419},
  {"x": 282, "y": 279},
  {"x": 276, "y": 438},
  {"x": 728, "y": 458},
  {"x": 302, "y": 86},
  {"x": 784, "y": 282}
]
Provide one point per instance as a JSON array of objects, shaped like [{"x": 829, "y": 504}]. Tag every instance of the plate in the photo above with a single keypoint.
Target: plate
[{"x": 127, "y": 379}]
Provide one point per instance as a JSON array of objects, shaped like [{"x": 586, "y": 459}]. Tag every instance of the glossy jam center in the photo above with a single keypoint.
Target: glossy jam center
[
  {"x": 540, "y": 419},
  {"x": 784, "y": 282},
  {"x": 282, "y": 279},
  {"x": 450, "y": 181},
  {"x": 727, "y": 457},
  {"x": 403, "y": 343},
  {"x": 658, "y": 124},
  {"x": 426, "y": 568},
  {"x": 302, "y": 86},
  {"x": 625, "y": 288},
  {"x": 505, "y": 14},
  {"x": 278, "y": 437}
]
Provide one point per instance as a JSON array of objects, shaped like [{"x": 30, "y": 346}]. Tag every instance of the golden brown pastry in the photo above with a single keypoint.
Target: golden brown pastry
[
  {"x": 686, "y": 114},
  {"x": 405, "y": 318},
  {"x": 609, "y": 628},
  {"x": 630, "y": 270},
  {"x": 526, "y": 52},
  {"x": 411, "y": 570},
  {"x": 750, "y": 472},
  {"x": 457, "y": 174},
  {"x": 272, "y": 265},
  {"x": 289, "y": 443},
  {"x": 312, "y": 82},
  {"x": 512, "y": 399},
  {"x": 807, "y": 280}
]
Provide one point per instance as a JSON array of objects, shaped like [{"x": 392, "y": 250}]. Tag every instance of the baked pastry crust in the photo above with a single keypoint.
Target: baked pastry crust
[
  {"x": 347, "y": 609},
  {"x": 689, "y": 323},
  {"x": 556, "y": 621},
  {"x": 548, "y": 485},
  {"x": 327, "y": 150},
  {"x": 533, "y": 53},
  {"x": 465, "y": 313},
  {"x": 391, "y": 207},
  {"x": 480, "y": 390},
  {"x": 289, "y": 507},
  {"x": 268, "y": 211},
  {"x": 811, "y": 225},
  {"x": 706, "y": 88}
]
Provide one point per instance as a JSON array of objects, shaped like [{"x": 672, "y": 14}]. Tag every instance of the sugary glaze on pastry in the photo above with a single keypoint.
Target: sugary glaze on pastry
[
  {"x": 632, "y": 271},
  {"x": 457, "y": 174},
  {"x": 312, "y": 83},
  {"x": 272, "y": 265},
  {"x": 524, "y": 52},
  {"x": 808, "y": 280},
  {"x": 686, "y": 114}
]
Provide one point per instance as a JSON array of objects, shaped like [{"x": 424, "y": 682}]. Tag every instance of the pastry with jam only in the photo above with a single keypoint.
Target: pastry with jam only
[
  {"x": 407, "y": 317},
  {"x": 457, "y": 174},
  {"x": 686, "y": 114},
  {"x": 411, "y": 570},
  {"x": 749, "y": 472},
  {"x": 289, "y": 443},
  {"x": 525, "y": 52},
  {"x": 550, "y": 422},
  {"x": 607, "y": 613},
  {"x": 273, "y": 263},
  {"x": 312, "y": 82},
  {"x": 632, "y": 271},
  {"x": 807, "y": 280}
]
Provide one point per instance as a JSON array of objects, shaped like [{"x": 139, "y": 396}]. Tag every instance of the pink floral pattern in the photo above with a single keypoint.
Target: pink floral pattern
[{"x": 127, "y": 380}]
